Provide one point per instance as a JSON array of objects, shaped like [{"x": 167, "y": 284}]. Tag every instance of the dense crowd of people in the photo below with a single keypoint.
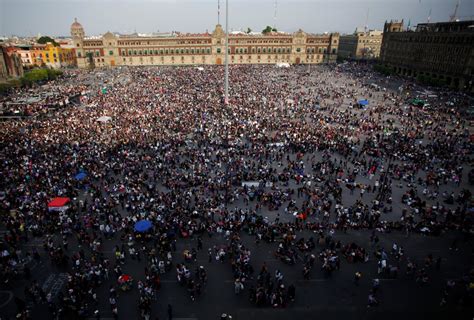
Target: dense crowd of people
[{"x": 293, "y": 151}]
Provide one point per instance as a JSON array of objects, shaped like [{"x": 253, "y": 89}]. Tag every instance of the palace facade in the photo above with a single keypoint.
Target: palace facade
[
  {"x": 442, "y": 51},
  {"x": 205, "y": 48}
]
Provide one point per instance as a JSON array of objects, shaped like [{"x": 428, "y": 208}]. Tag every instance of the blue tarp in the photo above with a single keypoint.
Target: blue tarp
[
  {"x": 80, "y": 176},
  {"x": 364, "y": 102},
  {"x": 143, "y": 225}
]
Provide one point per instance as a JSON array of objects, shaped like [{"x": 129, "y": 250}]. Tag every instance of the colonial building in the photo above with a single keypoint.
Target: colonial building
[
  {"x": 53, "y": 56},
  {"x": 11, "y": 62},
  {"x": 205, "y": 48},
  {"x": 442, "y": 51},
  {"x": 360, "y": 45}
]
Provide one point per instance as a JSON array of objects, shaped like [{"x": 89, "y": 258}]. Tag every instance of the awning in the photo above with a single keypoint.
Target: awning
[
  {"x": 104, "y": 119},
  {"x": 58, "y": 204}
]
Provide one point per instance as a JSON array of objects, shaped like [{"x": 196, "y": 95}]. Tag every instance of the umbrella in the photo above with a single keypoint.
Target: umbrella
[
  {"x": 143, "y": 225},
  {"x": 124, "y": 278},
  {"x": 80, "y": 176},
  {"x": 364, "y": 102}
]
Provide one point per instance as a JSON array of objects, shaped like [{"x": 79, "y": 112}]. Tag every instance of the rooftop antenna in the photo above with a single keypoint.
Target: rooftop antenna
[
  {"x": 218, "y": 11},
  {"x": 366, "y": 21},
  {"x": 429, "y": 16},
  {"x": 452, "y": 18},
  {"x": 275, "y": 14}
]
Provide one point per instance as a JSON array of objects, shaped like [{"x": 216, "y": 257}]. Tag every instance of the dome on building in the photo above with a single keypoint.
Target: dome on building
[
  {"x": 76, "y": 29},
  {"x": 76, "y": 25}
]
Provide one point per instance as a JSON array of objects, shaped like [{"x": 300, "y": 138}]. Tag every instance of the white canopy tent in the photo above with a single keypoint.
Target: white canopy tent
[{"x": 104, "y": 119}]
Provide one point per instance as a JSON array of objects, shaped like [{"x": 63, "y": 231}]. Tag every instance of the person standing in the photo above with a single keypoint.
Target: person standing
[{"x": 357, "y": 277}]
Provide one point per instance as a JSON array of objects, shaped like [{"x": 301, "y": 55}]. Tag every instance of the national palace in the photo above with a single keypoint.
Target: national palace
[{"x": 203, "y": 48}]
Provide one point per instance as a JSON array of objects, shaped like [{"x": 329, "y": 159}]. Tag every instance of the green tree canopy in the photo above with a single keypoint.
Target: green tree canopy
[
  {"x": 269, "y": 29},
  {"x": 46, "y": 39}
]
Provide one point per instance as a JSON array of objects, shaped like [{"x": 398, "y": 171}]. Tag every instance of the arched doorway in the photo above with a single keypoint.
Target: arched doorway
[
  {"x": 298, "y": 61},
  {"x": 219, "y": 61}
]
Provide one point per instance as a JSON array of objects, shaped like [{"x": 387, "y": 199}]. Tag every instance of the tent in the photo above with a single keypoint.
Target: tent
[
  {"x": 58, "y": 204},
  {"x": 80, "y": 176},
  {"x": 363, "y": 102},
  {"x": 143, "y": 225},
  {"x": 104, "y": 119}
]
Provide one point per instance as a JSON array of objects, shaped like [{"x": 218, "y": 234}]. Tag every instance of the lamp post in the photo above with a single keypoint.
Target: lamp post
[{"x": 226, "y": 98}]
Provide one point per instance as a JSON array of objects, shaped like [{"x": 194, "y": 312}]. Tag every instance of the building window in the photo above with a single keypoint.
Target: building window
[
  {"x": 218, "y": 50},
  {"x": 111, "y": 53},
  {"x": 79, "y": 55}
]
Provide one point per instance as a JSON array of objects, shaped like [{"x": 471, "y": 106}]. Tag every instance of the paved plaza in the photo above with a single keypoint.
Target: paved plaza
[{"x": 295, "y": 177}]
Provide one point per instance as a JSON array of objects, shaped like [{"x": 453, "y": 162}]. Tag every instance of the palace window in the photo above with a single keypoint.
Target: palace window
[
  {"x": 111, "y": 53},
  {"x": 298, "y": 49}
]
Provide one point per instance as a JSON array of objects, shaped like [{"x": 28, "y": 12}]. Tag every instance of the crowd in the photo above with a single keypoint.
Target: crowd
[{"x": 292, "y": 151}]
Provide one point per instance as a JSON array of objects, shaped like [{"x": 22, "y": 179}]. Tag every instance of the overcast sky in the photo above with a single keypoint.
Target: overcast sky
[{"x": 54, "y": 17}]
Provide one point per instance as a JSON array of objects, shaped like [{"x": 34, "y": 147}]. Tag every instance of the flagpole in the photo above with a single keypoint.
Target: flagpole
[{"x": 226, "y": 100}]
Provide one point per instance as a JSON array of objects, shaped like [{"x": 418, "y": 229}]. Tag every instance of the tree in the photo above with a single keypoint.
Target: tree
[
  {"x": 267, "y": 29},
  {"x": 46, "y": 39}
]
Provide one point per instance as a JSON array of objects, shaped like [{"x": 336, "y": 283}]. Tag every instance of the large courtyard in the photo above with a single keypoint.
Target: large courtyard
[{"x": 373, "y": 172}]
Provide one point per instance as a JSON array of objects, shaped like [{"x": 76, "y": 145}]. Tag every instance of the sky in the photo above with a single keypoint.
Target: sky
[{"x": 54, "y": 17}]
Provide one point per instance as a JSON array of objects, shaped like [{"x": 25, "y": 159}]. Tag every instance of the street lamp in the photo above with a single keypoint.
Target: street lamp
[{"x": 226, "y": 98}]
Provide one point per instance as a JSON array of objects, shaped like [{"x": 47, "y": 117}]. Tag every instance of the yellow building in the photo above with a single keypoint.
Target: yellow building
[{"x": 53, "y": 56}]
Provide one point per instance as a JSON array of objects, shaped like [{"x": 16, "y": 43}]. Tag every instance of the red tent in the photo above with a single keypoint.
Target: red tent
[{"x": 58, "y": 203}]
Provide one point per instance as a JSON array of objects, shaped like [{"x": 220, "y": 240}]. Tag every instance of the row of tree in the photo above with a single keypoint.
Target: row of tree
[{"x": 35, "y": 76}]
